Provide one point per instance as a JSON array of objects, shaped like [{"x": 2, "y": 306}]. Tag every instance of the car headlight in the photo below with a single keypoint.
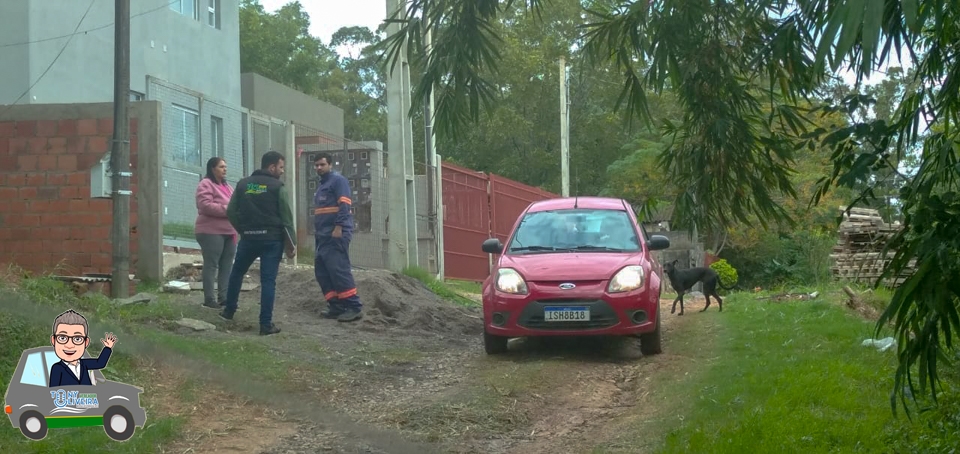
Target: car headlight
[
  {"x": 510, "y": 281},
  {"x": 627, "y": 279}
]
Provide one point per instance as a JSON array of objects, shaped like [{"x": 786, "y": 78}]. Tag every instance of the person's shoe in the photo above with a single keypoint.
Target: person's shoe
[
  {"x": 226, "y": 315},
  {"x": 212, "y": 305},
  {"x": 331, "y": 313},
  {"x": 351, "y": 315},
  {"x": 266, "y": 330}
]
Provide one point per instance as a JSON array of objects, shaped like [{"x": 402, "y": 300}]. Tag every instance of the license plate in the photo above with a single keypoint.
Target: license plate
[{"x": 567, "y": 314}]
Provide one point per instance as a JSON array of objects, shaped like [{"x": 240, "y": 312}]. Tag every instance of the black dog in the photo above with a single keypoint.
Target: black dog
[{"x": 683, "y": 280}]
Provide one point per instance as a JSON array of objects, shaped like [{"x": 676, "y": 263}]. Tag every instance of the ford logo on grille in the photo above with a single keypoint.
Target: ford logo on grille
[{"x": 567, "y": 286}]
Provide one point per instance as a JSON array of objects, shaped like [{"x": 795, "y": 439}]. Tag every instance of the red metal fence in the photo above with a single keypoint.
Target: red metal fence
[{"x": 478, "y": 206}]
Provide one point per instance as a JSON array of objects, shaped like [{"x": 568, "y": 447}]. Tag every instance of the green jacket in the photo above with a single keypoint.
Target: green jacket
[{"x": 260, "y": 209}]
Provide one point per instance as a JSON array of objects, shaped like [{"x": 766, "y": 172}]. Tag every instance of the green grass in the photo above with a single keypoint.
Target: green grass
[
  {"x": 463, "y": 286},
  {"x": 176, "y": 230},
  {"x": 785, "y": 376},
  {"x": 438, "y": 287}
]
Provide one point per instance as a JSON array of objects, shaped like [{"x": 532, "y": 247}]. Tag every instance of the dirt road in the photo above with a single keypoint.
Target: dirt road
[{"x": 412, "y": 377}]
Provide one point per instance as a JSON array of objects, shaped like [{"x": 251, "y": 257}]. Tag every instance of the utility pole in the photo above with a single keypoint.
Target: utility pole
[
  {"x": 433, "y": 183},
  {"x": 564, "y": 132},
  {"x": 120, "y": 152}
]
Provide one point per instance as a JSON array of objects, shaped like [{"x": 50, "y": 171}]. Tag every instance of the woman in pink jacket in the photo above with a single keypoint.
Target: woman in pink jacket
[{"x": 215, "y": 234}]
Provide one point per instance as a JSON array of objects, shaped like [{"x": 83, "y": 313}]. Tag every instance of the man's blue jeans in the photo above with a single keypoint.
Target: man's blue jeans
[{"x": 270, "y": 253}]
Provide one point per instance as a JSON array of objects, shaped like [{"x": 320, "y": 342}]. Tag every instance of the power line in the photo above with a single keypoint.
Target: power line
[
  {"x": 34, "y": 84},
  {"x": 75, "y": 32}
]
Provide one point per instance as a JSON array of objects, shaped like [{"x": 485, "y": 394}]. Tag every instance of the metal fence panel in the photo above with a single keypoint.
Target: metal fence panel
[{"x": 466, "y": 222}]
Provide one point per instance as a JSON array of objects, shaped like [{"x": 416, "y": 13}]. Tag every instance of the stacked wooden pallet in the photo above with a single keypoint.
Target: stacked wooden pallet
[{"x": 858, "y": 255}]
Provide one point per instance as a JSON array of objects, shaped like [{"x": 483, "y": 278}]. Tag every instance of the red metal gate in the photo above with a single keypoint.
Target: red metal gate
[
  {"x": 508, "y": 199},
  {"x": 466, "y": 223}
]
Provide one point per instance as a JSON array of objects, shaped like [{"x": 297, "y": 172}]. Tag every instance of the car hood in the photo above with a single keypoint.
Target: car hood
[{"x": 569, "y": 266}]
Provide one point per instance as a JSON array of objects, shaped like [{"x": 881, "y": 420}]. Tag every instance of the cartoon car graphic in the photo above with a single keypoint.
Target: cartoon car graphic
[{"x": 34, "y": 407}]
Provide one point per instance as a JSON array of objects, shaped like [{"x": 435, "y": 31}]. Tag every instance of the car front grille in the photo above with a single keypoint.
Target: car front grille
[{"x": 601, "y": 315}]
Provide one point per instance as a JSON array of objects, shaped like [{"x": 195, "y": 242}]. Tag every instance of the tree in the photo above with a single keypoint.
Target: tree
[{"x": 726, "y": 59}]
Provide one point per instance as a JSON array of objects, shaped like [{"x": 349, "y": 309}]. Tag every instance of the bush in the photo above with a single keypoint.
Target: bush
[{"x": 728, "y": 274}]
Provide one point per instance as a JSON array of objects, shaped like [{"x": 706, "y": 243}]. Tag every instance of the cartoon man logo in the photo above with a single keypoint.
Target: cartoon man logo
[
  {"x": 70, "y": 341},
  {"x": 59, "y": 385}
]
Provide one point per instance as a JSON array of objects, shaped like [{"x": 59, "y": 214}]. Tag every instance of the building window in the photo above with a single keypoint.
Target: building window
[
  {"x": 363, "y": 155},
  {"x": 350, "y": 156},
  {"x": 186, "y": 7},
  {"x": 213, "y": 13},
  {"x": 136, "y": 96},
  {"x": 185, "y": 129},
  {"x": 216, "y": 136}
]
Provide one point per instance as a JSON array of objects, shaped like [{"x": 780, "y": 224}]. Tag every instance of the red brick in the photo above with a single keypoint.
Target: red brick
[
  {"x": 59, "y": 206},
  {"x": 77, "y": 233},
  {"x": 8, "y": 128},
  {"x": 60, "y": 233},
  {"x": 97, "y": 145},
  {"x": 47, "y": 162},
  {"x": 48, "y": 193},
  {"x": 16, "y": 179},
  {"x": 8, "y": 162},
  {"x": 67, "y": 163},
  {"x": 90, "y": 220},
  {"x": 36, "y": 179},
  {"x": 16, "y": 206},
  {"x": 90, "y": 246},
  {"x": 87, "y": 127},
  {"x": 47, "y": 128},
  {"x": 5, "y": 147},
  {"x": 102, "y": 260},
  {"x": 105, "y": 126},
  {"x": 38, "y": 145},
  {"x": 28, "y": 193},
  {"x": 77, "y": 178},
  {"x": 7, "y": 193},
  {"x": 101, "y": 205},
  {"x": 70, "y": 192},
  {"x": 19, "y": 145},
  {"x": 49, "y": 245},
  {"x": 56, "y": 179},
  {"x": 76, "y": 145},
  {"x": 68, "y": 127},
  {"x": 3, "y": 179},
  {"x": 27, "y": 163},
  {"x": 72, "y": 247},
  {"x": 29, "y": 220},
  {"x": 6, "y": 234},
  {"x": 77, "y": 205},
  {"x": 26, "y": 128},
  {"x": 57, "y": 145},
  {"x": 100, "y": 232}
]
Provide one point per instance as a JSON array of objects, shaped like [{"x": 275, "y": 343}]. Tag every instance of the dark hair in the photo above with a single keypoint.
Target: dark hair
[
  {"x": 211, "y": 163},
  {"x": 324, "y": 155},
  {"x": 270, "y": 158}
]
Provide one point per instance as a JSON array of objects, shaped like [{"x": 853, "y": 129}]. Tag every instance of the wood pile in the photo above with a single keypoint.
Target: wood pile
[{"x": 858, "y": 255}]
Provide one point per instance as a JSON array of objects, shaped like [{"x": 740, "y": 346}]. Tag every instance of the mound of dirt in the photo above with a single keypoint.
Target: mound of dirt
[{"x": 391, "y": 300}]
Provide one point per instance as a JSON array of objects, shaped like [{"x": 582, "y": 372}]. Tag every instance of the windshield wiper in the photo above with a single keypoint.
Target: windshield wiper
[
  {"x": 533, "y": 248},
  {"x": 596, "y": 248}
]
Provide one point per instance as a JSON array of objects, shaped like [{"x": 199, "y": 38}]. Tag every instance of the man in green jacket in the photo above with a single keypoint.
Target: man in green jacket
[{"x": 260, "y": 212}]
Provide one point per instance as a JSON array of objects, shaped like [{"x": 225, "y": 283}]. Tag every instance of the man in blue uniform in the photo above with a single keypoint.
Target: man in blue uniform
[{"x": 333, "y": 229}]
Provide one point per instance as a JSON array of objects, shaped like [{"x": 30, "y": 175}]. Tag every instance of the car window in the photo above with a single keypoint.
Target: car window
[
  {"x": 52, "y": 358},
  {"x": 578, "y": 229},
  {"x": 33, "y": 371}
]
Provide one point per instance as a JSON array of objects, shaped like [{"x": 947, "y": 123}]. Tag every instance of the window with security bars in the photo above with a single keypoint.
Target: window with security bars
[{"x": 185, "y": 130}]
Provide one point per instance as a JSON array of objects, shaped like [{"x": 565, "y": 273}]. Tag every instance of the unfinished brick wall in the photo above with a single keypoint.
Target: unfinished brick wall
[{"x": 48, "y": 221}]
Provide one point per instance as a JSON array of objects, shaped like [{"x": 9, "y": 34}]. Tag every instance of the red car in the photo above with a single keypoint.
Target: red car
[{"x": 574, "y": 267}]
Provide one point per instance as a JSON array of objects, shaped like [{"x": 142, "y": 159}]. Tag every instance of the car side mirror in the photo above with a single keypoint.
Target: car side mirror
[
  {"x": 492, "y": 246},
  {"x": 658, "y": 242}
]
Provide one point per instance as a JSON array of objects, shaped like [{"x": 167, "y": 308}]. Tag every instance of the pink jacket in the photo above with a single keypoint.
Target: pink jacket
[{"x": 212, "y": 200}]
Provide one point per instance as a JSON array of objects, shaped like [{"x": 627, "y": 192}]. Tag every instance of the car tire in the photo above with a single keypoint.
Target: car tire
[
  {"x": 494, "y": 345},
  {"x": 33, "y": 425},
  {"x": 118, "y": 423},
  {"x": 650, "y": 342}
]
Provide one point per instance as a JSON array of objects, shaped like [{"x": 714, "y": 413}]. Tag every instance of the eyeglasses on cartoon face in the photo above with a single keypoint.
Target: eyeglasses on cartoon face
[{"x": 77, "y": 340}]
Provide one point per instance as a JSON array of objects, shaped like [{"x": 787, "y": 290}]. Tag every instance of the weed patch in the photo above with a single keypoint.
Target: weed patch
[{"x": 438, "y": 287}]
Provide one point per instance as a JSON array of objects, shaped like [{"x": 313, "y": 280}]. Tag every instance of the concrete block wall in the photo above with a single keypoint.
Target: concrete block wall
[{"x": 48, "y": 220}]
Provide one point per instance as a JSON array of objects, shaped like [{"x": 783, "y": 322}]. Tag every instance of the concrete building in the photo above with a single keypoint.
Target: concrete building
[{"x": 183, "y": 53}]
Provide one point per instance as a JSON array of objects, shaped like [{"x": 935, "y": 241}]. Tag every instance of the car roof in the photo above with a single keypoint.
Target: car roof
[{"x": 569, "y": 203}]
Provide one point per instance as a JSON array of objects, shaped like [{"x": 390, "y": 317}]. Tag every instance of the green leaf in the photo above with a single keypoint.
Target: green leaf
[
  {"x": 910, "y": 14},
  {"x": 853, "y": 19},
  {"x": 873, "y": 17}
]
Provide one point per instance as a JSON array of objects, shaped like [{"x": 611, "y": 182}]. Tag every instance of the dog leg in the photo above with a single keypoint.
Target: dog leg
[
  {"x": 680, "y": 297},
  {"x": 706, "y": 296},
  {"x": 719, "y": 302},
  {"x": 674, "y": 308}
]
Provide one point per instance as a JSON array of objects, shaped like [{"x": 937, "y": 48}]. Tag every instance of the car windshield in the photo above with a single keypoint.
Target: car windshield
[{"x": 589, "y": 230}]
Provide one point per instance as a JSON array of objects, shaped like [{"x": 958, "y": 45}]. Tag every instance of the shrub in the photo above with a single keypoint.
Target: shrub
[{"x": 728, "y": 274}]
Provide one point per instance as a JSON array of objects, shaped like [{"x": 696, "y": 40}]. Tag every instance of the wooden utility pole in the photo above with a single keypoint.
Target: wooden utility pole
[
  {"x": 564, "y": 133},
  {"x": 120, "y": 152}
]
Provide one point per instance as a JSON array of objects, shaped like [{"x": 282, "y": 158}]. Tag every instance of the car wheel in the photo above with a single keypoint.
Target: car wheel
[
  {"x": 33, "y": 425},
  {"x": 650, "y": 342},
  {"x": 494, "y": 344},
  {"x": 118, "y": 423}
]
